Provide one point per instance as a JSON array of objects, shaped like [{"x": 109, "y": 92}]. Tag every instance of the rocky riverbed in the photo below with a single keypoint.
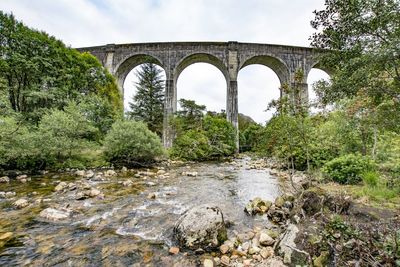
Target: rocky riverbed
[{"x": 126, "y": 217}]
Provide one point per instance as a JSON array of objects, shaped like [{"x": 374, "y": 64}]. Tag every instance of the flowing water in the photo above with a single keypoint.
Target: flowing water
[{"x": 126, "y": 227}]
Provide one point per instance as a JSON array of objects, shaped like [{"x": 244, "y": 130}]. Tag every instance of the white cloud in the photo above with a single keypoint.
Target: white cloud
[{"x": 96, "y": 22}]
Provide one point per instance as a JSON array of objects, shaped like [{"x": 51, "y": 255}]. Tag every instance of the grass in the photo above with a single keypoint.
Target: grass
[{"x": 377, "y": 196}]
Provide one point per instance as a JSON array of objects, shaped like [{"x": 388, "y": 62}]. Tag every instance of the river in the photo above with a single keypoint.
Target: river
[{"x": 130, "y": 226}]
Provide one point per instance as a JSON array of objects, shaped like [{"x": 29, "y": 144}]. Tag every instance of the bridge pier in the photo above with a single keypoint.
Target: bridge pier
[
  {"x": 170, "y": 106},
  {"x": 232, "y": 108}
]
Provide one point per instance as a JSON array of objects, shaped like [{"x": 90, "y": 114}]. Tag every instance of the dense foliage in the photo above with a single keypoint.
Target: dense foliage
[
  {"x": 348, "y": 169},
  {"x": 131, "y": 143},
  {"x": 56, "y": 104},
  {"x": 199, "y": 136},
  {"x": 148, "y": 102}
]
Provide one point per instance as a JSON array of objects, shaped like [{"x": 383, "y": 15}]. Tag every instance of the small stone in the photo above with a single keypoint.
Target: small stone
[
  {"x": 254, "y": 250},
  {"x": 127, "y": 183},
  {"x": 266, "y": 240},
  {"x": 193, "y": 174},
  {"x": 208, "y": 263},
  {"x": 21, "y": 203},
  {"x": 6, "y": 236},
  {"x": 60, "y": 187},
  {"x": 267, "y": 252},
  {"x": 109, "y": 173},
  {"x": 322, "y": 259},
  {"x": 279, "y": 202},
  {"x": 93, "y": 192},
  {"x": 124, "y": 169},
  {"x": 22, "y": 177},
  {"x": 224, "y": 249},
  {"x": 257, "y": 257},
  {"x": 89, "y": 174},
  {"x": 80, "y": 173},
  {"x": 247, "y": 262},
  {"x": 4, "y": 179},
  {"x": 54, "y": 214},
  {"x": 160, "y": 172},
  {"x": 174, "y": 250},
  {"x": 151, "y": 196},
  {"x": 217, "y": 261},
  {"x": 225, "y": 260},
  {"x": 10, "y": 194}
]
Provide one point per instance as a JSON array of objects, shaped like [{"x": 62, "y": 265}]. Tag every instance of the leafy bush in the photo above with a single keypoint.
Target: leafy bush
[
  {"x": 348, "y": 169},
  {"x": 131, "y": 143},
  {"x": 221, "y": 136},
  {"x": 192, "y": 145}
]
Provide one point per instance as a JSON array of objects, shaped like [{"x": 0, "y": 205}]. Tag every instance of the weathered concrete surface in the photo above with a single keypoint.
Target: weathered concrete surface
[{"x": 228, "y": 57}]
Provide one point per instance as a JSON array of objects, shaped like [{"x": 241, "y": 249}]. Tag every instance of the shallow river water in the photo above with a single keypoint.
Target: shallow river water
[{"x": 126, "y": 227}]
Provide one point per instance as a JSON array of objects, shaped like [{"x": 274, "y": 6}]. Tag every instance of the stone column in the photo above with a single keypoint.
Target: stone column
[
  {"x": 232, "y": 108},
  {"x": 170, "y": 106},
  {"x": 232, "y": 113}
]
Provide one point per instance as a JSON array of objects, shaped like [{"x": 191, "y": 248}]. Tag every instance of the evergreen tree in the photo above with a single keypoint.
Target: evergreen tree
[{"x": 148, "y": 102}]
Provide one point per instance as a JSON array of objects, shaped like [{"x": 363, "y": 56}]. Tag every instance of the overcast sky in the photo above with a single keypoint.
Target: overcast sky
[{"x": 82, "y": 23}]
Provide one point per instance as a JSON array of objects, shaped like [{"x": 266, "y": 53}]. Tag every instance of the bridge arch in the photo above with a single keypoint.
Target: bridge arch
[
  {"x": 201, "y": 58},
  {"x": 129, "y": 63},
  {"x": 275, "y": 64}
]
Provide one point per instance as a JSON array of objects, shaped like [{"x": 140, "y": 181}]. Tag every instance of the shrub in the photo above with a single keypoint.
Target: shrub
[
  {"x": 348, "y": 169},
  {"x": 221, "y": 136},
  {"x": 131, "y": 143},
  {"x": 192, "y": 145}
]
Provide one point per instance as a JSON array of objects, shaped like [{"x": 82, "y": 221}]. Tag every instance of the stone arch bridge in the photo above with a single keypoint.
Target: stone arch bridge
[{"x": 228, "y": 57}]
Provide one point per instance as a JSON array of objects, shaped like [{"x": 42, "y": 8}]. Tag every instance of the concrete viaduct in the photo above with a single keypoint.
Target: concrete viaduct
[{"x": 228, "y": 57}]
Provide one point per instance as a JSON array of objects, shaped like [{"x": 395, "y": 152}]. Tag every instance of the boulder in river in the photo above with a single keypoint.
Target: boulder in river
[
  {"x": 201, "y": 227},
  {"x": 4, "y": 179},
  {"x": 54, "y": 214},
  {"x": 257, "y": 205}
]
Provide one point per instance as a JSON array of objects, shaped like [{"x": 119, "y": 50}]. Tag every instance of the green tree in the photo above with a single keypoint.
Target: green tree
[
  {"x": 362, "y": 38},
  {"x": 148, "y": 103},
  {"x": 41, "y": 73}
]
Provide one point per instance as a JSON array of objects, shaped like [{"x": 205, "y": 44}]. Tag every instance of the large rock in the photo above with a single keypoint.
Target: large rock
[
  {"x": 257, "y": 205},
  {"x": 201, "y": 227},
  {"x": 287, "y": 245},
  {"x": 54, "y": 214}
]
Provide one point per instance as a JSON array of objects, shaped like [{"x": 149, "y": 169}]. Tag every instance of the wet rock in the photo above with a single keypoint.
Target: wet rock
[
  {"x": 225, "y": 260},
  {"x": 54, "y": 214},
  {"x": 89, "y": 174},
  {"x": 208, "y": 263},
  {"x": 207, "y": 233},
  {"x": 279, "y": 201},
  {"x": 287, "y": 243},
  {"x": 9, "y": 194},
  {"x": 257, "y": 205},
  {"x": 4, "y": 179},
  {"x": 267, "y": 252},
  {"x": 174, "y": 250},
  {"x": 193, "y": 174},
  {"x": 21, "y": 203},
  {"x": 89, "y": 193},
  {"x": 127, "y": 183},
  {"x": 266, "y": 240},
  {"x": 61, "y": 186},
  {"x": 151, "y": 196},
  {"x": 277, "y": 215},
  {"x": 80, "y": 173},
  {"x": 110, "y": 173},
  {"x": 224, "y": 249}
]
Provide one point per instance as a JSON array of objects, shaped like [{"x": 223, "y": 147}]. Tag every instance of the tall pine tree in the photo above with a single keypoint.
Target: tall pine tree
[{"x": 148, "y": 103}]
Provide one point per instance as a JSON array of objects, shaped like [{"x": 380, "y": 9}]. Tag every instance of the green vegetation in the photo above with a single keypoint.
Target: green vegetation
[
  {"x": 148, "y": 102},
  {"x": 199, "y": 136},
  {"x": 130, "y": 143},
  {"x": 350, "y": 169}
]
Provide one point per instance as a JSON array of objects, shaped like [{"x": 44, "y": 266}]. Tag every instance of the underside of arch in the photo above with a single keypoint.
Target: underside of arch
[
  {"x": 201, "y": 58},
  {"x": 276, "y": 65},
  {"x": 130, "y": 63}
]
